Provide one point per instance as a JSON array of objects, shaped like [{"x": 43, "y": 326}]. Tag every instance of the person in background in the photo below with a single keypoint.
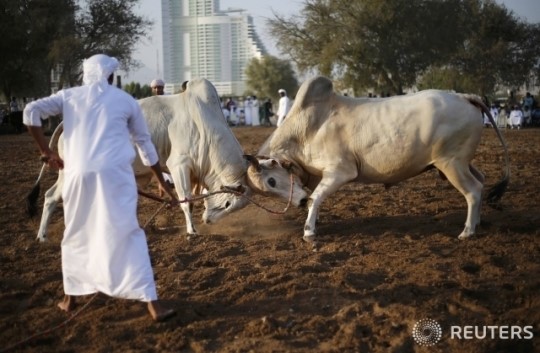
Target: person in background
[
  {"x": 255, "y": 117},
  {"x": 494, "y": 112},
  {"x": 13, "y": 105},
  {"x": 503, "y": 116},
  {"x": 268, "y": 113},
  {"x": 284, "y": 106},
  {"x": 528, "y": 101},
  {"x": 158, "y": 87},
  {"x": 103, "y": 249},
  {"x": 248, "y": 109},
  {"x": 226, "y": 112},
  {"x": 527, "y": 117},
  {"x": 516, "y": 118},
  {"x": 230, "y": 105}
]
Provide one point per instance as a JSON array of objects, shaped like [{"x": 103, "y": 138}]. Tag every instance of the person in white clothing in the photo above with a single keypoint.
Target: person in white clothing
[
  {"x": 103, "y": 248},
  {"x": 284, "y": 106},
  {"x": 255, "y": 114},
  {"x": 494, "y": 113},
  {"x": 502, "y": 117},
  {"x": 248, "y": 106},
  {"x": 13, "y": 105},
  {"x": 516, "y": 118}
]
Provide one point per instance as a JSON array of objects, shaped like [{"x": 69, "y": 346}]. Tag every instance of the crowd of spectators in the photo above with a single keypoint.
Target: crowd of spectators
[{"x": 513, "y": 114}]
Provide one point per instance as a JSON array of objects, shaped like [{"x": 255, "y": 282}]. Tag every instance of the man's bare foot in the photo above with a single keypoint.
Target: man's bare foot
[
  {"x": 159, "y": 312},
  {"x": 67, "y": 304}
]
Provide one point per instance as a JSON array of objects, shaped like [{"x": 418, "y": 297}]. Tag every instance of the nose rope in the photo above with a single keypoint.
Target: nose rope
[
  {"x": 264, "y": 207},
  {"x": 226, "y": 190}
]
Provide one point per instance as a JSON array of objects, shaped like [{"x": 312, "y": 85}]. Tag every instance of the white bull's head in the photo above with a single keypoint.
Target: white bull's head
[
  {"x": 271, "y": 177},
  {"x": 227, "y": 200}
]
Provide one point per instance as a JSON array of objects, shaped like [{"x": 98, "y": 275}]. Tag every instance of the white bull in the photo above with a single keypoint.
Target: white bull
[
  {"x": 332, "y": 140},
  {"x": 200, "y": 151}
]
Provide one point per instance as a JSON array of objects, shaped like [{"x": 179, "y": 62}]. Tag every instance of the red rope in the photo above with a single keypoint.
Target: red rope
[
  {"x": 229, "y": 191},
  {"x": 267, "y": 209}
]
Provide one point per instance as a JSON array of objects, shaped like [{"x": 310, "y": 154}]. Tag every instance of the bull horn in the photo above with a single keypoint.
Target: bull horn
[
  {"x": 241, "y": 189},
  {"x": 287, "y": 164},
  {"x": 253, "y": 161}
]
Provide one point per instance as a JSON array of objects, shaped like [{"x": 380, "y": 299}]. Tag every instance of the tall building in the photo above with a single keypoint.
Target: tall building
[{"x": 200, "y": 40}]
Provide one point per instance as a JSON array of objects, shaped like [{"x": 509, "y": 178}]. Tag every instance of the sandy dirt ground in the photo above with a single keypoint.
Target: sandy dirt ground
[{"x": 386, "y": 259}]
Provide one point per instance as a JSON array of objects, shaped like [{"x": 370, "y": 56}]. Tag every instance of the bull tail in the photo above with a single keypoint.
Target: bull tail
[
  {"x": 33, "y": 195},
  {"x": 498, "y": 190}
]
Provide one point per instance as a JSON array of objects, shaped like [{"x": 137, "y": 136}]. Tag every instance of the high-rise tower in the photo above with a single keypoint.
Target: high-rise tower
[{"x": 200, "y": 40}]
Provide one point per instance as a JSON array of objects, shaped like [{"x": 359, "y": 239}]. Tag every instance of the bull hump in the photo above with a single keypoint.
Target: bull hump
[{"x": 316, "y": 89}]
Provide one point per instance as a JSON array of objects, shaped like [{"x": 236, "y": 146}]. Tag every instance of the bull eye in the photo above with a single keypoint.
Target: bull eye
[
  {"x": 227, "y": 204},
  {"x": 272, "y": 182}
]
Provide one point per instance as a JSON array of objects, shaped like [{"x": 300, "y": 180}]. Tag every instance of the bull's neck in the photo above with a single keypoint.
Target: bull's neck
[{"x": 229, "y": 175}]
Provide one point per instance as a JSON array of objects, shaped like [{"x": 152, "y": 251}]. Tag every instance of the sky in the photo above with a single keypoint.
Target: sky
[{"x": 149, "y": 51}]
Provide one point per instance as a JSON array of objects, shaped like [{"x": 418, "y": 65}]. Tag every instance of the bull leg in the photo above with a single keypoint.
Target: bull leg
[
  {"x": 329, "y": 184},
  {"x": 52, "y": 197},
  {"x": 481, "y": 178},
  {"x": 179, "y": 168},
  {"x": 467, "y": 180}
]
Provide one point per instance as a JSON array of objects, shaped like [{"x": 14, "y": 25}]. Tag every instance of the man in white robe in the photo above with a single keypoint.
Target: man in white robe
[
  {"x": 516, "y": 118},
  {"x": 255, "y": 114},
  {"x": 103, "y": 248},
  {"x": 284, "y": 106},
  {"x": 248, "y": 106}
]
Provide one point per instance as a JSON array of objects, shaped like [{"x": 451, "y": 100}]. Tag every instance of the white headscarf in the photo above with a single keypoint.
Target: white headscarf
[
  {"x": 157, "y": 83},
  {"x": 96, "y": 71}
]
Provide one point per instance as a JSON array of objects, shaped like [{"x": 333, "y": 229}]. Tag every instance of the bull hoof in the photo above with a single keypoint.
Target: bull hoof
[
  {"x": 41, "y": 240},
  {"x": 464, "y": 236},
  {"x": 310, "y": 238},
  {"x": 190, "y": 237}
]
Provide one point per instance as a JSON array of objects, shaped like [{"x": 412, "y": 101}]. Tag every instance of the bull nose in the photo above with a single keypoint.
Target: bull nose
[{"x": 303, "y": 202}]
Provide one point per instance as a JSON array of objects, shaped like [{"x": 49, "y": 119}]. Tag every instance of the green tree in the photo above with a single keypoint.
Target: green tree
[
  {"x": 30, "y": 28},
  {"x": 500, "y": 50},
  {"x": 381, "y": 45},
  {"x": 387, "y": 45},
  {"x": 43, "y": 34},
  {"x": 101, "y": 26},
  {"x": 448, "y": 78},
  {"x": 267, "y": 75},
  {"x": 138, "y": 91}
]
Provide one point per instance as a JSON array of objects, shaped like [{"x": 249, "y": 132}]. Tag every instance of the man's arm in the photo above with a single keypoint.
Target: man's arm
[
  {"x": 32, "y": 115},
  {"x": 158, "y": 173},
  {"x": 47, "y": 155}
]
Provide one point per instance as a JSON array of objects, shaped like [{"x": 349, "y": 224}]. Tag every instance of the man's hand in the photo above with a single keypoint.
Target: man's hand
[
  {"x": 172, "y": 203},
  {"x": 52, "y": 159},
  {"x": 156, "y": 170}
]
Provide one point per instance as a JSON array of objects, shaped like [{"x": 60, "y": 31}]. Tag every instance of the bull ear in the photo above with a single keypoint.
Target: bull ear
[{"x": 253, "y": 161}]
